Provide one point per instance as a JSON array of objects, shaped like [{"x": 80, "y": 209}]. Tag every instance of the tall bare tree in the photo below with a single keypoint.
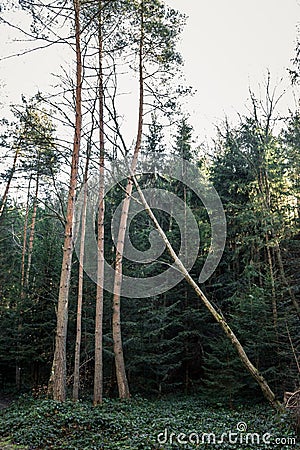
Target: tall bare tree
[
  {"x": 98, "y": 373},
  {"x": 76, "y": 380},
  {"x": 158, "y": 30},
  {"x": 116, "y": 319},
  {"x": 58, "y": 375}
]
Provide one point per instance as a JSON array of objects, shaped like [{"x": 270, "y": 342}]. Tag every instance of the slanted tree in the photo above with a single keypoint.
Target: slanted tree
[{"x": 258, "y": 377}]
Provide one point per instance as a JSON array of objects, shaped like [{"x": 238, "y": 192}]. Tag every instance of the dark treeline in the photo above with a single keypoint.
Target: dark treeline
[{"x": 170, "y": 342}]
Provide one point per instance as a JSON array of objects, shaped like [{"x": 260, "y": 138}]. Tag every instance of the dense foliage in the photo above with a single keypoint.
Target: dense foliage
[{"x": 170, "y": 342}]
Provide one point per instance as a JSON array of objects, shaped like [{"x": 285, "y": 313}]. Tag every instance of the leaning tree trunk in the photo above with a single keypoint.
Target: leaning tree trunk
[
  {"x": 98, "y": 370},
  {"x": 267, "y": 392},
  {"x": 58, "y": 376},
  {"x": 117, "y": 336}
]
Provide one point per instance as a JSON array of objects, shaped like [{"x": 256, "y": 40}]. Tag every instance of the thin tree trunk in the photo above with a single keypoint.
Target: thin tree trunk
[
  {"x": 32, "y": 231},
  {"x": 267, "y": 202},
  {"x": 11, "y": 174},
  {"x": 273, "y": 291},
  {"x": 268, "y": 393},
  {"x": 293, "y": 348},
  {"x": 22, "y": 291},
  {"x": 285, "y": 281},
  {"x": 186, "y": 381},
  {"x": 117, "y": 335},
  {"x": 24, "y": 248},
  {"x": 98, "y": 369},
  {"x": 59, "y": 361},
  {"x": 80, "y": 281}
]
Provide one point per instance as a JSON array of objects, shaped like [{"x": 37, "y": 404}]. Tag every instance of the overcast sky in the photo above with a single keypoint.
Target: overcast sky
[{"x": 227, "y": 47}]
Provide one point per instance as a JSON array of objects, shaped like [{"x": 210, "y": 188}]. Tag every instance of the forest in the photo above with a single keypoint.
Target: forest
[{"x": 149, "y": 284}]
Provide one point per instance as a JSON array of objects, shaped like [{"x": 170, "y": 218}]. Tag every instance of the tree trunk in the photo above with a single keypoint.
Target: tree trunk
[
  {"x": 285, "y": 281},
  {"x": 59, "y": 361},
  {"x": 18, "y": 377},
  {"x": 98, "y": 370},
  {"x": 268, "y": 393},
  {"x": 273, "y": 291},
  {"x": 32, "y": 230},
  {"x": 80, "y": 282},
  {"x": 117, "y": 335},
  {"x": 24, "y": 248},
  {"x": 22, "y": 290}
]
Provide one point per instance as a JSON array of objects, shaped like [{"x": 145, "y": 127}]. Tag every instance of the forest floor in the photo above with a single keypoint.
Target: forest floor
[
  {"x": 6, "y": 444},
  {"x": 142, "y": 424}
]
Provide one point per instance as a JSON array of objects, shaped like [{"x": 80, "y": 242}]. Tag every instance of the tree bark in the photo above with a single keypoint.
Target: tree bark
[
  {"x": 98, "y": 369},
  {"x": 32, "y": 231},
  {"x": 22, "y": 290},
  {"x": 76, "y": 379},
  {"x": 59, "y": 361},
  {"x": 272, "y": 279},
  {"x": 24, "y": 248},
  {"x": 117, "y": 335}
]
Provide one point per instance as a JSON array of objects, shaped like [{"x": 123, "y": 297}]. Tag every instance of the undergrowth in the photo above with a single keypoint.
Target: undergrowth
[{"x": 141, "y": 424}]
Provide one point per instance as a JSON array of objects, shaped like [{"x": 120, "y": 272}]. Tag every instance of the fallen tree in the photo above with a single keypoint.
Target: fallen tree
[{"x": 254, "y": 372}]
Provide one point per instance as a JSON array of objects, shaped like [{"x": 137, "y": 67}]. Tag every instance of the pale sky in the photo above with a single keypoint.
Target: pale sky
[{"x": 227, "y": 45}]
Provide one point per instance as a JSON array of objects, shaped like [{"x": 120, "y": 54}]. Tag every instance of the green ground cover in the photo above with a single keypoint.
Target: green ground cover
[{"x": 140, "y": 424}]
